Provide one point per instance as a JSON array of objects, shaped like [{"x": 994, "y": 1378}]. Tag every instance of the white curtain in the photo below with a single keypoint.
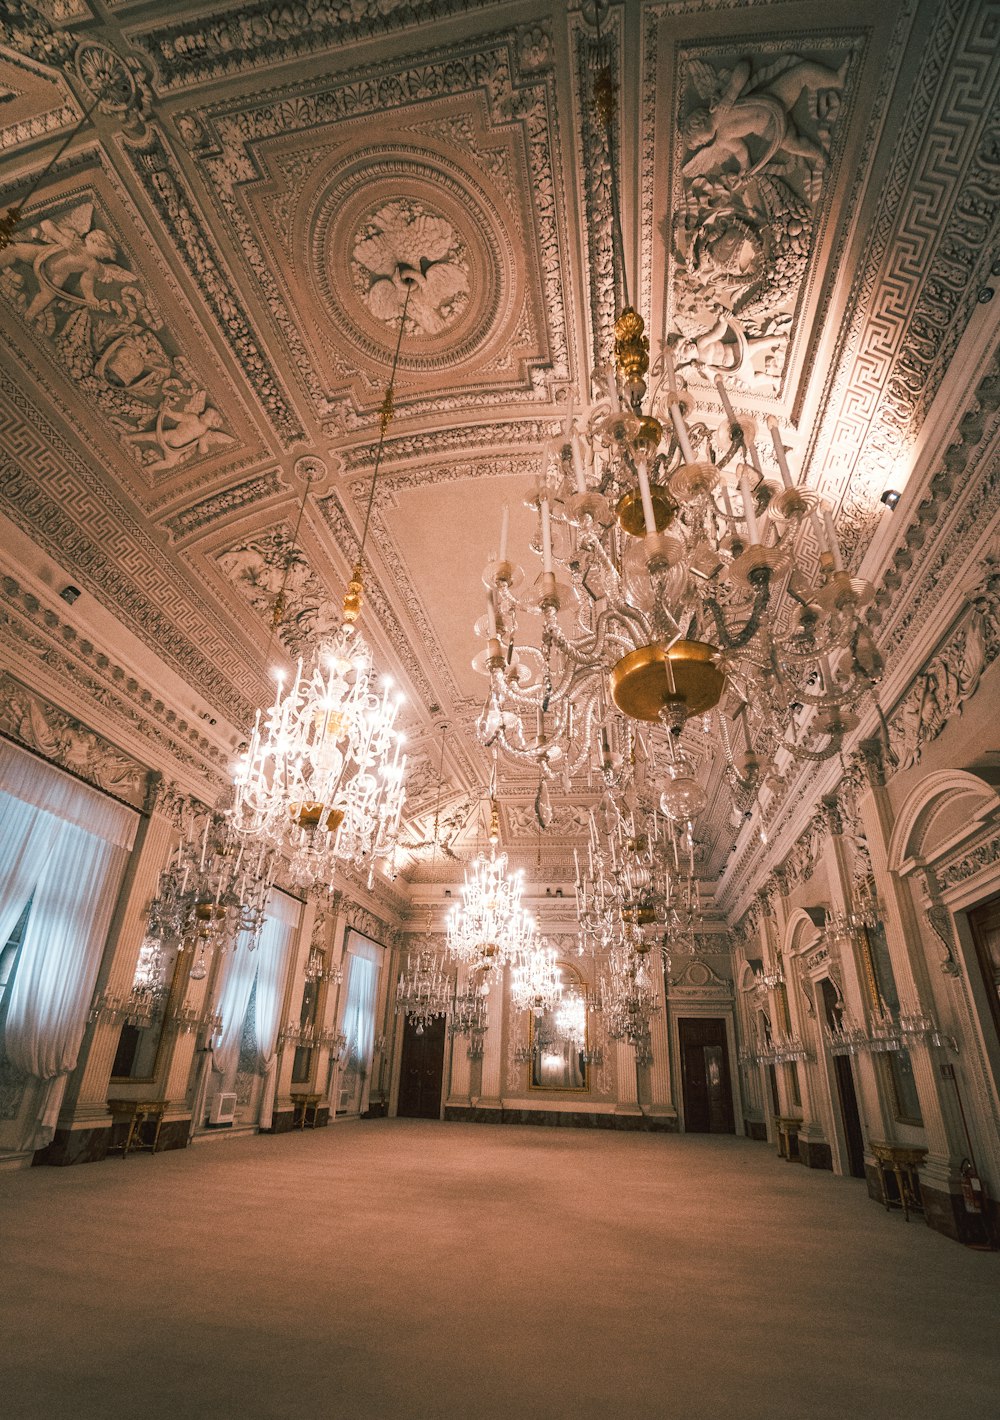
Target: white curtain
[
  {"x": 275, "y": 941},
  {"x": 64, "y": 848},
  {"x": 359, "y": 1010},
  {"x": 239, "y": 971}
]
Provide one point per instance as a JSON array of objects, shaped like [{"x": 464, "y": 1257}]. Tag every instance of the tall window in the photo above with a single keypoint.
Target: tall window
[
  {"x": 358, "y": 1022},
  {"x": 63, "y": 849}
]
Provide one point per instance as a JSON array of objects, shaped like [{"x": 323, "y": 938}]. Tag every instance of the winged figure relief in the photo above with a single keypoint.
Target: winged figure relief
[
  {"x": 748, "y": 119},
  {"x": 409, "y": 250},
  {"x": 70, "y": 260}
]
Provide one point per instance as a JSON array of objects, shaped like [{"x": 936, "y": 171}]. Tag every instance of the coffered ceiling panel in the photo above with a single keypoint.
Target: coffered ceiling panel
[{"x": 438, "y": 177}]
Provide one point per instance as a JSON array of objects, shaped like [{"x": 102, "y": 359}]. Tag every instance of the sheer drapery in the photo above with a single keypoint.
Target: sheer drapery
[
  {"x": 275, "y": 941},
  {"x": 63, "y": 847},
  {"x": 359, "y": 1011},
  {"x": 239, "y": 970}
]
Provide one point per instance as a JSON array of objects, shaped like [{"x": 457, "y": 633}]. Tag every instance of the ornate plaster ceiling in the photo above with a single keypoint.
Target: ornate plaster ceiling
[{"x": 201, "y": 303}]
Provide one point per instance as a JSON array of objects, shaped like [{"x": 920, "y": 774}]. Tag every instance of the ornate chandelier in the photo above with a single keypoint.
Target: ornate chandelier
[
  {"x": 321, "y": 781},
  {"x": 322, "y": 778},
  {"x": 424, "y": 989},
  {"x": 670, "y": 587},
  {"x": 213, "y": 892},
  {"x": 535, "y": 981},
  {"x": 489, "y": 927},
  {"x": 629, "y": 999},
  {"x": 571, "y": 1019}
]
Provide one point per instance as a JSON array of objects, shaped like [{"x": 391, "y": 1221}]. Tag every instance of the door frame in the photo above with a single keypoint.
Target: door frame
[{"x": 715, "y": 1010}]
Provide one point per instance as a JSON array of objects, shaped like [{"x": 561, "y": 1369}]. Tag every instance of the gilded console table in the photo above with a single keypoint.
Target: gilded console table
[
  {"x": 902, "y": 1162},
  {"x": 306, "y": 1109},
  {"x": 136, "y": 1115},
  {"x": 787, "y": 1127}
]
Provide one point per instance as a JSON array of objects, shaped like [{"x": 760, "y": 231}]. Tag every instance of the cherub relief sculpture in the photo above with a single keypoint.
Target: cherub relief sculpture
[
  {"x": 178, "y": 433},
  {"x": 403, "y": 246},
  {"x": 65, "y": 277},
  {"x": 747, "y": 114},
  {"x": 757, "y": 146},
  {"x": 69, "y": 261},
  {"x": 261, "y": 566}
]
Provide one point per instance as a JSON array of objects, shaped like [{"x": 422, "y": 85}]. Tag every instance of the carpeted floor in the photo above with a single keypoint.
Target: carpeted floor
[{"x": 401, "y": 1268}]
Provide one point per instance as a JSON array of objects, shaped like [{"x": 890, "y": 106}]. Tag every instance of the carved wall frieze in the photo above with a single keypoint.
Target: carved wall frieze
[
  {"x": 169, "y": 194},
  {"x": 891, "y": 360},
  {"x": 41, "y": 726},
  {"x": 59, "y": 500},
  {"x": 41, "y": 635},
  {"x": 457, "y": 440},
  {"x": 950, "y": 678},
  {"x": 599, "y": 153},
  {"x": 35, "y": 102},
  {"x": 261, "y": 34},
  {"x": 697, "y": 979},
  {"x": 923, "y": 560}
]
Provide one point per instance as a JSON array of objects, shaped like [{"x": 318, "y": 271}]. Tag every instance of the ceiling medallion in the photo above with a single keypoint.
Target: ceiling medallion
[{"x": 406, "y": 252}]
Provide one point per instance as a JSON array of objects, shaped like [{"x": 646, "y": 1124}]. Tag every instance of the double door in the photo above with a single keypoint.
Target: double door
[
  {"x": 421, "y": 1071},
  {"x": 705, "y": 1078}
]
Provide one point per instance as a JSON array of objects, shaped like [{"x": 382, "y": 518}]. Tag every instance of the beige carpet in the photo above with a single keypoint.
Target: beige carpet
[{"x": 401, "y": 1268}]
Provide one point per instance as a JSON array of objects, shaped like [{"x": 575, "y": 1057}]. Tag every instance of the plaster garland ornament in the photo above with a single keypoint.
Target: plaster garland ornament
[{"x": 404, "y": 252}]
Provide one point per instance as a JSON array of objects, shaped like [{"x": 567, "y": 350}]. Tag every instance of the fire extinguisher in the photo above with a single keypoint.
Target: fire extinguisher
[{"x": 973, "y": 1192}]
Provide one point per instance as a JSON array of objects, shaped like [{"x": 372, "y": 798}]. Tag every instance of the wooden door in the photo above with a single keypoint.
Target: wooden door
[
  {"x": 708, "y": 1095},
  {"x": 421, "y": 1071}
]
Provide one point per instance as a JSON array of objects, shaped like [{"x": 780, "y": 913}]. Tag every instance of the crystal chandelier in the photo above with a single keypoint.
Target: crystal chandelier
[
  {"x": 321, "y": 781},
  {"x": 535, "y": 981},
  {"x": 639, "y": 877},
  {"x": 468, "y": 1013},
  {"x": 213, "y": 892},
  {"x": 489, "y": 927},
  {"x": 571, "y": 1019},
  {"x": 629, "y": 999},
  {"x": 322, "y": 778},
  {"x": 670, "y": 587},
  {"x": 424, "y": 989}
]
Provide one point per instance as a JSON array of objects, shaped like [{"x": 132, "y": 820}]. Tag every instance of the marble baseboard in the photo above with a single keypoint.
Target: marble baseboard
[
  {"x": 946, "y": 1213},
  {"x": 282, "y": 1122},
  {"x": 76, "y": 1146},
  {"x": 755, "y": 1129},
  {"x": 557, "y": 1118},
  {"x": 815, "y": 1153}
]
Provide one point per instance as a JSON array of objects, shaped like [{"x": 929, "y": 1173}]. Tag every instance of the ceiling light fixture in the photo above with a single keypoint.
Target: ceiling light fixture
[{"x": 321, "y": 780}]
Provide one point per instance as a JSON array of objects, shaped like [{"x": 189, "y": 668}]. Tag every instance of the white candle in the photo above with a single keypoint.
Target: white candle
[
  {"x": 491, "y": 613},
  {"x": 720, "y": 386},
  {"x": 831, "y": 536},
  {"x": 546, "y": 535},
  {"x": 204, "y": 847},
  {"x": 749, "y": 512},
  {"x": 504, "y": 530},
  {"x": 779, "y": 451},
  {"x": 680, "y": 429},
  {"x": 612, "y": 383},
  {"x": 581, "y": 480},
  {"x": 647, "y": 499}
]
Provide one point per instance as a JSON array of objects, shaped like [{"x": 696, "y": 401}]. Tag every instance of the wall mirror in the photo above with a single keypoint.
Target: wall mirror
[{"x": 558, "y": 1039}]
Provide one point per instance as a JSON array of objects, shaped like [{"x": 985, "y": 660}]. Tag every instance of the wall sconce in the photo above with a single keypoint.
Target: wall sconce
[{"x": 891, "y": 497}]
